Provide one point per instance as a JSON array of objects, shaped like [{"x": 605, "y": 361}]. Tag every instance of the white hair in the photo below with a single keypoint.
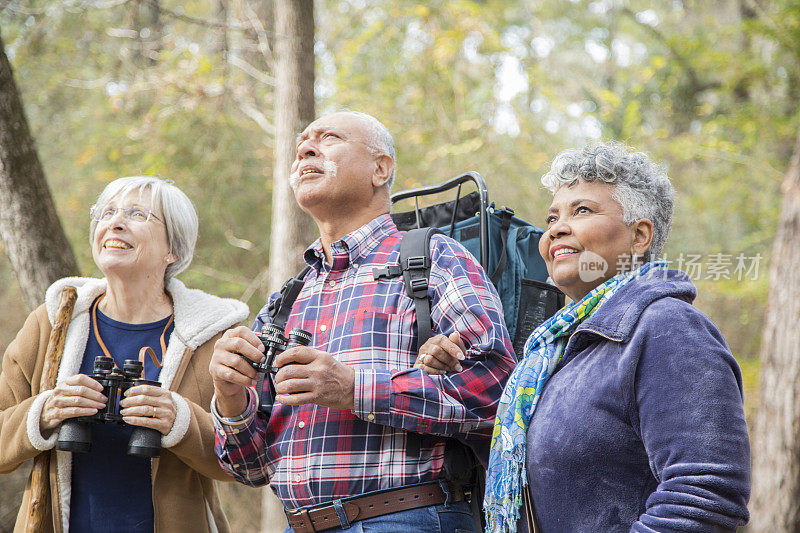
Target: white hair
[
  {"x": 379, "y": 140},
  {"x": 180, "y": 217},
  {"x": 642, "y": 187}
]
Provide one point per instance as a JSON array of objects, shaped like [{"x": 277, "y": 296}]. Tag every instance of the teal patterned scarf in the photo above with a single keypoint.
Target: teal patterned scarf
[{"x": 506, "y": 478}]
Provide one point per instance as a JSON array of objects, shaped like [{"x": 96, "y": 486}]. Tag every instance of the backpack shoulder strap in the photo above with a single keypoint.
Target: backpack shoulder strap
[
  {"x": 415, "y": 264},
  {"x": 281, "y": 307},
  {"x": 415, "y": 267},
  {"x": 507, "y": 214}
]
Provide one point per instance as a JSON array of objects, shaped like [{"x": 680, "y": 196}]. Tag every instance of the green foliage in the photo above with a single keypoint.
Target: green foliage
[
  {"x": 709, "y": 88},
  {"x": 103, "y": 102},
  {"x": 500, "y": 87}
]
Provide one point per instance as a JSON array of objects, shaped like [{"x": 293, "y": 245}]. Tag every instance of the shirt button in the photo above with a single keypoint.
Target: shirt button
[
  {"x": 297, "y": 478},
  {"x": 370, "y": 417},
  {"x": 301, "y": 425},
  {"x": 323, "y": 327},
  {"x": 332, "y": 283}
]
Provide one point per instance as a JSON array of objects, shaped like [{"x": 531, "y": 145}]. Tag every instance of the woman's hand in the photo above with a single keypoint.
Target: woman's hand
[
  {"x": 149, "y": 406},
  {"x": 79, "y": 395},
  {"x": 441, "y": 354}
]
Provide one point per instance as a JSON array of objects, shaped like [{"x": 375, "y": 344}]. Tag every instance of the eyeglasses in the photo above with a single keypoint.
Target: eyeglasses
[{"x": 133, "y": 213}]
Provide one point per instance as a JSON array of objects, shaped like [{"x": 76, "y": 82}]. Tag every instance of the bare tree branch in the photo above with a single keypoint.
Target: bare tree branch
[
  {"x": 16, "y": 8},
  {"x": 122, "y": 33},
  {"x": 108, "y": 4},
  {"x": 259, "y": 282},
  {"x": 257, "y": 116},
  {"x": 218, "y": 275},
  {"x": 233, "y": 240},
  {"x": 87, "y": 84},
  {"x": 261, "y": 32},
  {"x": 194, "y": 20},
  {"x": 263, "y": 77}
]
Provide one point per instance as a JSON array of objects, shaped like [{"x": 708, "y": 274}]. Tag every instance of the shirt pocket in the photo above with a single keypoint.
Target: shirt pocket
[{"x": 375, "y": 339}]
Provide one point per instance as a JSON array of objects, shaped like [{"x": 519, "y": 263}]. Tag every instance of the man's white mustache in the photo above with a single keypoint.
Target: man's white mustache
[{"x": 328, "y": 167}]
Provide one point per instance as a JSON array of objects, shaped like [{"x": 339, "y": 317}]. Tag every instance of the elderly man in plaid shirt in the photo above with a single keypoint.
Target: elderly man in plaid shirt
[{"x": 355, "y": 435}]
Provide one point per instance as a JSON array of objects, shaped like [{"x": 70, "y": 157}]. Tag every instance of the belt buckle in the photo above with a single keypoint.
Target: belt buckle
[{"x": 302, "y": 515}]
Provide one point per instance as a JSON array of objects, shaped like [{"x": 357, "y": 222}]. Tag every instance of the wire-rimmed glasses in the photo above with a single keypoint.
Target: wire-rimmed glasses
[{"x": 133, "y": 213}]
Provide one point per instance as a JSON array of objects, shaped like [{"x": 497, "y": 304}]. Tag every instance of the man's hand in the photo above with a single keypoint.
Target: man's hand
[
  {"x": 315, "y": 377},
  {"x": 231, "y": 373},
  {"x": 441, "y": 354}
]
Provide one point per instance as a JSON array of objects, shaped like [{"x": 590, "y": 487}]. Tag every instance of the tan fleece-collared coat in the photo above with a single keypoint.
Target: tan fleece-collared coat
[{"x": 184, "y": 491}]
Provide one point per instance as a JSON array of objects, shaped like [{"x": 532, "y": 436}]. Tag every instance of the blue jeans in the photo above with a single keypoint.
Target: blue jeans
[{"x": 450, "y": 518}]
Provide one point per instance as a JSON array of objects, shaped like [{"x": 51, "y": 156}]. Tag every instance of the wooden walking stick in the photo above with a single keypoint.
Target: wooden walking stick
[{"x": 40, "y": 475}]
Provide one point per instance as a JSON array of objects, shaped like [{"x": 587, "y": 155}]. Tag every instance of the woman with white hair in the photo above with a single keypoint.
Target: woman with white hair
[
  {"x": 143, "y": 232},
  {"x": 625, "y": 412}
]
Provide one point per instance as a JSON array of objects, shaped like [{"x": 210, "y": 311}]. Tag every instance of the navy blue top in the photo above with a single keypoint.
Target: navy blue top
[
  {"x": 111, "y": 490},
  {"x": 641, "y": 428}
]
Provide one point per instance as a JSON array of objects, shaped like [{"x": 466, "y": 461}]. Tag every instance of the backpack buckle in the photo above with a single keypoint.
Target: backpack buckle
[
  {"x": 387, "y": 272},
  {"x": 274, "y": 306},
  {"x": 419, "y": 285},
  {"x": 418, "y": 262}
]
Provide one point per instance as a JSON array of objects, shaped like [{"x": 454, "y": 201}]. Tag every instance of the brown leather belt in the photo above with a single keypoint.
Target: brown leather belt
[{"x": 322, "y": 517}]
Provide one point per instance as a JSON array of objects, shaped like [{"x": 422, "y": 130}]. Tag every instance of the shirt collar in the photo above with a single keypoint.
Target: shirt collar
[{"x": 354, "y": 245}]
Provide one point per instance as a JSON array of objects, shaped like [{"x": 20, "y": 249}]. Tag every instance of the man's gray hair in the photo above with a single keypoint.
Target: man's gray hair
[
  {"x": 379, "y": 140},
  {"x": 642, "y": 187},
  {"x": 179, "y": 215}
]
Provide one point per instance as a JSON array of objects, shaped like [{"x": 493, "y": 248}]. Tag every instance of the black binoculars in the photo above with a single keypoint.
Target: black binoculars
[
  {"x": 75, "y": 434},
  {"x": 274, "y": 344}
]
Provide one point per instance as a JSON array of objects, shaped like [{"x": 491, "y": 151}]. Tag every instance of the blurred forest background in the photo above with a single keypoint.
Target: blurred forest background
[{"x": 185, "y": 90}]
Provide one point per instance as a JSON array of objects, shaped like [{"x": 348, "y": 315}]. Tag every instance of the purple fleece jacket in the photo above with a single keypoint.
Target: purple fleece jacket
[{"x": 642, "y": 428}]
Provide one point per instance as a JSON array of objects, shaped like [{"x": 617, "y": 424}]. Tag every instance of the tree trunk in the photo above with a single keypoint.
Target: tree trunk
[
  {"x": 221, "y": 45},
  {"x": 292, "y": 230},
  {"x": 775, "y": 502},
  {"x": 30, "y": 230}
]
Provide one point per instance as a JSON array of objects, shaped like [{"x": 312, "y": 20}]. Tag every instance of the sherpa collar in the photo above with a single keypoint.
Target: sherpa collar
[{"x": 198, "y": 317}]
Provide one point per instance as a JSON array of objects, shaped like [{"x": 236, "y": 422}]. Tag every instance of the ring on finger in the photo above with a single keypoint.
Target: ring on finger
[{"x": 153, "y": 407}]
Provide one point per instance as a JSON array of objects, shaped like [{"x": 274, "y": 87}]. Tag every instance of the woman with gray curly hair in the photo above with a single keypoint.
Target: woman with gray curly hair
[
  {"x": 142, "y": 234},
  {"x": 640, "y": 426}
]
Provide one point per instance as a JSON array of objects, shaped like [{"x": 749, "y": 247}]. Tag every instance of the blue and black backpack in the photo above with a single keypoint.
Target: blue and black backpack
[{"x": 506, "y": 246}]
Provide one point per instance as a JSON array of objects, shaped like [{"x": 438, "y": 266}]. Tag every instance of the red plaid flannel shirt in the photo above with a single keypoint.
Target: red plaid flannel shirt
[{"x": 312, "y": 454}]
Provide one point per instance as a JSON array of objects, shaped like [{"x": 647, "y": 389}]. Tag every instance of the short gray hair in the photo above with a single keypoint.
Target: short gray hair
[
  {"x": 379, "y": 140},
  {"x": 642, "y": 187},
  {"x": 180, "y": 217}
]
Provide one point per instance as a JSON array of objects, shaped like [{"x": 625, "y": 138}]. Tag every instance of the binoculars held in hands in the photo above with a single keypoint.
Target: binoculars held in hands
[
  {"x": 75, "y": 434},
  {"x": 275, "y": 343}
]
